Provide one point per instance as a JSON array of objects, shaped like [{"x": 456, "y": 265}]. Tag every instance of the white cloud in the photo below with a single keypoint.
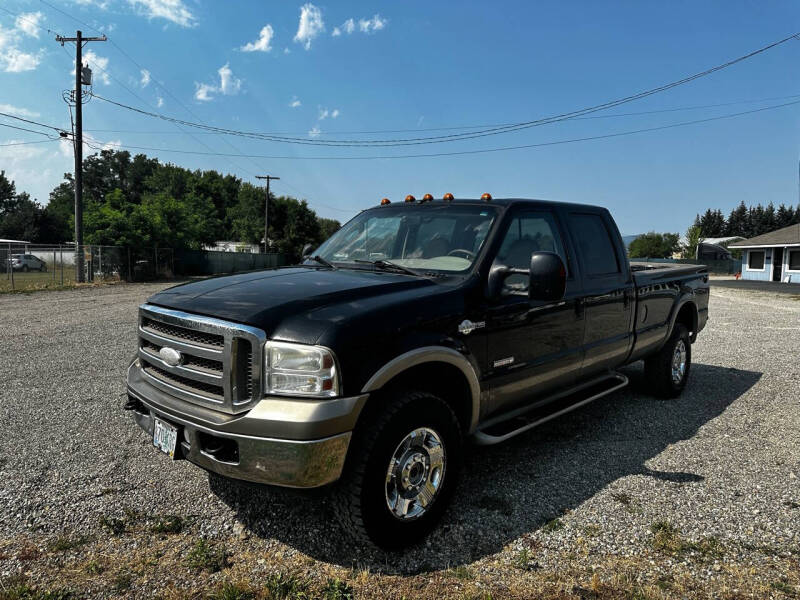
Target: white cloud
[
  {"x": 159, "y": 102},
  {"x": 171, "y": 10},
  {"x": 145, "y": 80},
  {"x": 324, "y": 113},
  {"x": 229, "y": 85},
  {"x": 287, "y": 51},
  {"x": 15, "y": 60},
  {"x": 336, "y": 32},
  {"x": 262, "y": 44},
  {"x": 22, "y": 112},
  {"x": 29, "y": 23},
  {"x": 372, "y": 25},
  {"x": 12, "y": 59},
  {"x": 314, "y": 132},
  {"x": 349, "y": 26},
  {"x": 295, "y": 103},
  {"x": 203, "y": 91},
  {"x": 311, "y": 25}
]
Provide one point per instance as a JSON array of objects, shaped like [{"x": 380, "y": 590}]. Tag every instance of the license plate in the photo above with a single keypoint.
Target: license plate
[{"x": 165, "y": 437}]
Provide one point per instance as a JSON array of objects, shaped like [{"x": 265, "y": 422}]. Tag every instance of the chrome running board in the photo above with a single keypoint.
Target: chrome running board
[{"x": 505, "y": 426}]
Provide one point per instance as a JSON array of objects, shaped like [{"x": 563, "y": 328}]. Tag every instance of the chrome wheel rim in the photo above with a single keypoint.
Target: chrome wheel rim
[
  {"x": 679, "y": 362},
  {"x": 415, "y": 474}
]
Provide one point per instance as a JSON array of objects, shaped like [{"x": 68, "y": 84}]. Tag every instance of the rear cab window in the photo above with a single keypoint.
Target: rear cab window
[{"x": 595, "y": 245}]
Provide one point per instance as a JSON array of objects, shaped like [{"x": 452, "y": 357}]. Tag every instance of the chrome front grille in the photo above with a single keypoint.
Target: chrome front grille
[{"x": 220, "y": 364}]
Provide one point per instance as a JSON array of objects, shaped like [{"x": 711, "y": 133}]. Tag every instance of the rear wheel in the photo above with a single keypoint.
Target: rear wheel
[
  {"x": 403, "y": 467},
  {"x": 24, "y": 268},
  {"x": 668, "y": 370}
]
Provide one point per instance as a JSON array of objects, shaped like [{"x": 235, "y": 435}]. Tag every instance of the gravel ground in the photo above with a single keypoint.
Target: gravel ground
[{"x": 694, "y": 497}]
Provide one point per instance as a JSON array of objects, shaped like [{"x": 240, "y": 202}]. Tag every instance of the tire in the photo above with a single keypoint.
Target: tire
[
  {"x": 366, "y": 489},
  {"x": 43, "y": 269},
  {"x": 24, "y": 268},
  {"x": 668, "y": 370}
]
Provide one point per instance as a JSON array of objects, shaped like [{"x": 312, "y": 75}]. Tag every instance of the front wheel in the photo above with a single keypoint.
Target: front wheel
[
  {"x": 24, "y": 268},
  {"x": 403, "y": 468},
  {"x": 668, "y": 370}
]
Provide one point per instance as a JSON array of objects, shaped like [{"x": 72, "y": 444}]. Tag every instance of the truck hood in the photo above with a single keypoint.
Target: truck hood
[{"x": 265, "y": 298}]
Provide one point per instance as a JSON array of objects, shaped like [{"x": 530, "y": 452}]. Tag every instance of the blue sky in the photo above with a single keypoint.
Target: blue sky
[{"x": 322, "y": 69}]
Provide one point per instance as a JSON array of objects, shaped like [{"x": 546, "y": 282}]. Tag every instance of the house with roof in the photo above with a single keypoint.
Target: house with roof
[{"x": 773, "y": 256}]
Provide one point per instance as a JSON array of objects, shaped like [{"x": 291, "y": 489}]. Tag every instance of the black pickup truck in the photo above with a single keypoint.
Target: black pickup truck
[{"x": 418, "y": 326}]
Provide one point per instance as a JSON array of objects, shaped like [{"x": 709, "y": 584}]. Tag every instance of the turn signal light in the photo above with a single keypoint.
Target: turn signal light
[
  {"x": 385, "y": 201},
  {"x": 448, "y": 197},
  {"x": 410, "y": 198},
  {"x": 427, "y": 197},
  {"x": 486, "y": 197}
]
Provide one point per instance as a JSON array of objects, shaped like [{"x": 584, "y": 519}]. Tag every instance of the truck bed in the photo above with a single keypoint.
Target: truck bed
[{"x": 647, "y": 273}]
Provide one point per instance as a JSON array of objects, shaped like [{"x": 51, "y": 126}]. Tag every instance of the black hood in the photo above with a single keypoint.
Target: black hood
[{"x": 263, "y": 299}]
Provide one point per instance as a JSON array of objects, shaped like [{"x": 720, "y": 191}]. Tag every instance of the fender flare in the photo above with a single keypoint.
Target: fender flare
[
  {"x": 683, "y": 301},
  {"x": 429, "y": 354}
]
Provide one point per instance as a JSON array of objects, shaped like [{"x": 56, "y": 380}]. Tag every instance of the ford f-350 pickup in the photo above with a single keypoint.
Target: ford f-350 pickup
[{"x": 416, "y": 327}]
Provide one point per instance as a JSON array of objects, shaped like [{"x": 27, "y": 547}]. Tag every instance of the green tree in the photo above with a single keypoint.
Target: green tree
[
  {"x": 654, "y": 245},
  {"x": 738, "y": 222},
  {"x": 328, "y": 227},
  {"x": 692, "y": 240}
]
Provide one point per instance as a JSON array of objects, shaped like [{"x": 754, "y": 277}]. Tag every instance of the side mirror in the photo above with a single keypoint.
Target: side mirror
[
  {"x": 548, "y": 277},
  {"x": 307, "y": 250}
]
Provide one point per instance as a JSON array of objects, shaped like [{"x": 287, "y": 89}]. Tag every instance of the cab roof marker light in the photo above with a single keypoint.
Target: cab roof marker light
[
  {"x": 410, "y": 198},
  {"x": 427, "y": 197},
  {"x": 385, "y": 201},
  {"x": 487, "y": 197},
  {"x": 448, "y": 197}
]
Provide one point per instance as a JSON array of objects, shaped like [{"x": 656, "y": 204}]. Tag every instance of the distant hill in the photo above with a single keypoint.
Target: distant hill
[{"x": 627, "y": 239}]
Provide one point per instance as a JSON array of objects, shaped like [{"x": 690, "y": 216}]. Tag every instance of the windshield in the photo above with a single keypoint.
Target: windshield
[{"x": 419, "y": 237}]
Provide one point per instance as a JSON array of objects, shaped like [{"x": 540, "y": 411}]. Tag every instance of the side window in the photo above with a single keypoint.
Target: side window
[
  {"x": 529, "y": 232},
  {"x": 594, "y": 244},
  {"x": 755, "y": 260}
]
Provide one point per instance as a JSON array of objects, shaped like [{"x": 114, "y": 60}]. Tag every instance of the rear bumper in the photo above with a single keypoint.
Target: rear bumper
[{"x": 292, "y": 443}]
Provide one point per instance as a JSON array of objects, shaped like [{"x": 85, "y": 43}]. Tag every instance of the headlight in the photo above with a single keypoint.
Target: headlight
[{"x": 300, "y": 370}]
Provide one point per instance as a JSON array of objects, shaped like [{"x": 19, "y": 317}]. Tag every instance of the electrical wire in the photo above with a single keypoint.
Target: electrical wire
[
  {"x": 460, "y": 136},
  {"x": 26, "y": 143},
  {"x": 34, "y": 23},
  {"x": 364, "y": 132},
  {"x": 10, "y": 116},
  {"x": 26, "y": 129},
  {"x": 483, "y": 150}
]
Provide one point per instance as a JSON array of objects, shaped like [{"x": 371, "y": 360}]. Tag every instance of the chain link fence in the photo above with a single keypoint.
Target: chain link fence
[{"x": 27, "y": 267}]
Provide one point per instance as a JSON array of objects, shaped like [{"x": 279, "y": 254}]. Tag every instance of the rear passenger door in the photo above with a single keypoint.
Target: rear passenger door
[{"x": 608, "y": 291}]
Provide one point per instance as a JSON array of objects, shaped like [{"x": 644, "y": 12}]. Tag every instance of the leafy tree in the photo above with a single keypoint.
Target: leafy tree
[
  {"x": 20, "y": 217},
  {"x": 712, "y": 223},
  {"x": 328, "y": 227},
  {"x": 654, "y": 245},
  {"x": 693, "y": 235},
  {"x": 738, "y": 222}
]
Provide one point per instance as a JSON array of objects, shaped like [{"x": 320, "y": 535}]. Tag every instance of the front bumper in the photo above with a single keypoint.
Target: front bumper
[{"x": 293, "y": 443}]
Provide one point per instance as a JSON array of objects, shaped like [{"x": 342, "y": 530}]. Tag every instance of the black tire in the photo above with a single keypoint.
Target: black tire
[
  {"x": 43, "y": 269},
  {"x": 365, "y": 512},
  {"x": 24, "y": 268},
  {"x": 665, "y": 381}
]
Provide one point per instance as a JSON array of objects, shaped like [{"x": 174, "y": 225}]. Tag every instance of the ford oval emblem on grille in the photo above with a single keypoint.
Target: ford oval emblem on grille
[{"x": 170, "y": 356}]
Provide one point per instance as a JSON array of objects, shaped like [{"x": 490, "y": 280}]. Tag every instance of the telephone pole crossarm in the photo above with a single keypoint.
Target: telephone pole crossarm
[{"x": 266, "y": 208}]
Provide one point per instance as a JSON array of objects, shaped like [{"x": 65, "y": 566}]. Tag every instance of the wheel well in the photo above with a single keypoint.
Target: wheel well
[
  {"x": 687, "y": 316},
  {"x": 440, "y": 379}
]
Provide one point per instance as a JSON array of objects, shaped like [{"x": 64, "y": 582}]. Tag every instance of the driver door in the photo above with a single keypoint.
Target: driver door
[{"x": 533, "y": 346}]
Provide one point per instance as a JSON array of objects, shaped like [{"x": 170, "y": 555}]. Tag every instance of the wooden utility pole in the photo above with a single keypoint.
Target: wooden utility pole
[
  {"x": 266, "y": 208},
  {"x": 78, "y": 142}
]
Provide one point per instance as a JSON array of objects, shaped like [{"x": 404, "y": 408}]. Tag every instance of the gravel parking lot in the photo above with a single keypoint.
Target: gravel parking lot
[{"x": 628, "y": 497}]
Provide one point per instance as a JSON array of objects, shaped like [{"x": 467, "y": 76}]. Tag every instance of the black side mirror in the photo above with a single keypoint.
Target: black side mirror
[
  {"x": 548, "y": 277},
  {"x": 307, "y": 250}
]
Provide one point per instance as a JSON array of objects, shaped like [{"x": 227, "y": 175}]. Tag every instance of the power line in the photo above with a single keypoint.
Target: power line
[
  {"x": 26, "y": 143},
  {"x": 483, "y": 150},
  {"x": 455, "y": 127},
  {"x": 18, "y": 118},
  {"x": 20, "y": 17},
  {"x": 461, "y": 136},
  {"x": 29, "y": 130}
]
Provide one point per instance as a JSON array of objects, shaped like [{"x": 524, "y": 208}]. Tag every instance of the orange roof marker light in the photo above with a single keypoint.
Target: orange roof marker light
[
  {"x": 410, "y": 198},
  {"x": 427, "y": 197},
  {"x": 448, "y": 197},
  {"x": 487, "y": 197},
  {"x": 385, "y": 201}
]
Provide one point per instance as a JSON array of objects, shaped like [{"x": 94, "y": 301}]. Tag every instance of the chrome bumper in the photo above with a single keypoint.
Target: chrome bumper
[{"x": 309, "y": 451}]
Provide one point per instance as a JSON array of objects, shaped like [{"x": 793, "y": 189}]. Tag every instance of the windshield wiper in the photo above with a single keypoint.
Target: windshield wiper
[
  {"x": 322, "y": 261},
  {"x": 386, "y": 265}
]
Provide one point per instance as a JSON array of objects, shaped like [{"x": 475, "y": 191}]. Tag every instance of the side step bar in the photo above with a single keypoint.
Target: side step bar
[{"x": 505, "y": 426}]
